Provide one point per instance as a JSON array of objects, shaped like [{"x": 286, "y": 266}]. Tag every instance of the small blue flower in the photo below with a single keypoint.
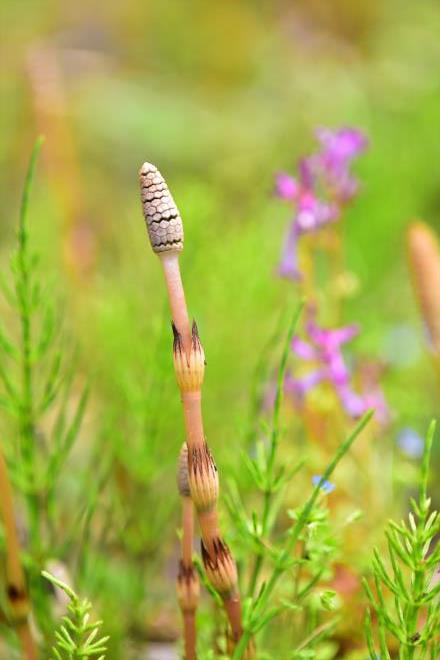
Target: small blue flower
[
  {"x": 326, "y": 486},
  {"x": 410, "y": 442}
]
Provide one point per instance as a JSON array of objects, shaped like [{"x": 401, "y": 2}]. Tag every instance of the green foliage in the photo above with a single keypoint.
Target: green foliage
[
  {"x": 405, "y": 598},
  {"x": 261, "y": 610},
  {"x": 308, "y": 543},
  {"x": 37, "y": 375},
  {"x": 77, "y": 637},
  {"x": 219, "y": 122}
]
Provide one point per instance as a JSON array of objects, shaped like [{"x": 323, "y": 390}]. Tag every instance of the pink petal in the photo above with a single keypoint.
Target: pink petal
[
  {"x": 286, "y": 186},
  {"x": 303, "y": 349}
]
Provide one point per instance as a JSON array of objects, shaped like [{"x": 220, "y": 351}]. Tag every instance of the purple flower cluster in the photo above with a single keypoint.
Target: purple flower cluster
[
  {"x": 324, "y": 350},
  {"x": 323, "y": 186}
]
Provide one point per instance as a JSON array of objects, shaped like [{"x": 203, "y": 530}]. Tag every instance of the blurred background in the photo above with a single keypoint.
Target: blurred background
[{"x": 220, "y": 96}]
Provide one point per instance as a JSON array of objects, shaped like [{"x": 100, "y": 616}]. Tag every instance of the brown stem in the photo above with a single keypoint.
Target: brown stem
[
  {"x": 13, "y": 566},
  {"x": 188, "y": 530},
  {"x": 192, "y": 410},
  {"x": 16, "y": 585},
  {"x": 188, "y": 591},
  {"x": 233, "y": 610},
  {"x": 189, "y": 630},
  {"x": 188, "y": 587},
  {"x": 29, "y": 651},
  {"x": 209, "y": 528}
]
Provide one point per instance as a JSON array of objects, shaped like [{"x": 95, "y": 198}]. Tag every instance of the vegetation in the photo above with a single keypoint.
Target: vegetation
[{"x": 297, "y": 155}]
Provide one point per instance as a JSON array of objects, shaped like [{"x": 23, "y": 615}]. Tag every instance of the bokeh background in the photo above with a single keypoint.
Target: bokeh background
[{"x": 221, "y": 96}]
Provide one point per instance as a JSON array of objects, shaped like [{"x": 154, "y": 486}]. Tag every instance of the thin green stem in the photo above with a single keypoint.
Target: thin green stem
[
  {"x": 423, "y": 493},
  {"x": 24, "y": 294},
  {"x": 280, "y": 390},
  {"x": 259, "y": 559},
  {"x": 268, "y": 492},
  {"x": 260, "y": 378},
  {"x": 316, "y": 634},
  {"x": 417, "y": 585}
]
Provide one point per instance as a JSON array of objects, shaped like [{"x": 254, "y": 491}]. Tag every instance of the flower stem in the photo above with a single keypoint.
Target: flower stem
[{"x": 268, "y": 492}]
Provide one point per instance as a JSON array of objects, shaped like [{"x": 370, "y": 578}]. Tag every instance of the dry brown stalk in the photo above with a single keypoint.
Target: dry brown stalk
[
  {"x": 16, "y": 591},
  {"x": 188, "y": 587},
  {"x": 424, "y": 263},
  {"x": 188, "y": 591},
  {"x": 165, "y": 231}
]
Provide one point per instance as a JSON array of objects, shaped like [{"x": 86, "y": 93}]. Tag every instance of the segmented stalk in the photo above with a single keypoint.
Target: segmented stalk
[
  {"x": 188, "y": 586},
  {"x": 165, "y": 231}
]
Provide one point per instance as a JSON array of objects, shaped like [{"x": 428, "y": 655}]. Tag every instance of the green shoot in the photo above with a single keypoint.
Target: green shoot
[
  {"x": 405, "y": 597},
  {"x": 77, "y": 637}
]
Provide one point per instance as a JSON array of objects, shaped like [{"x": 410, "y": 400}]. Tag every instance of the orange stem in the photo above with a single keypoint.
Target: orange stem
[
  {"x": 192, "y": 410},
  {"x": 233, "y": 610},
  {"x": 15, "y": 581},
  {"x": 189, "y": 628},
  {"x": 29, "y": 651},
  {"x": 208, "y": 521},
  {"x": 188, "y": 530},
  {"x": 193, "y": 414}
]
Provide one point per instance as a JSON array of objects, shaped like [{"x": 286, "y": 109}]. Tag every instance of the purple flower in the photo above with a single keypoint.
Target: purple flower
[
  {"x": 341, "y": 146},
  {"x": 286, "y": 186},
  {"x": 298, "y": 387},
  {"x": 312, "y": 213},
  {"x": 410, "y": 442},
  {"x": 324, "y": 350},
  {"x": 333, "y": 162},
  {"x": 324, "y": 185},
  {"x": 326, "y": 486},
  {"x": 307, "y": 173},
  {"x": 310, "y": 216},
  {"x": 353, "y": 404},
  {"x": 330, "y": 339}
]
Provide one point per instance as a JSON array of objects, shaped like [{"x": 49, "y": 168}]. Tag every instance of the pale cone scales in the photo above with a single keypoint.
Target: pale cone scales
[{"x": 162, "y": 216}]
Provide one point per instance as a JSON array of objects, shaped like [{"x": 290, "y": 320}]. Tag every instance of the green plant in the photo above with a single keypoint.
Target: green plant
[
  {"x": 289, "y": 547},
  {"x": 40, "y": 396},
  {"x": 406, "y": 598},
  {"x": 298, "y": 558},
  {"x": 77, "y": 637},
  {"x": 259, "y": 611}
]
